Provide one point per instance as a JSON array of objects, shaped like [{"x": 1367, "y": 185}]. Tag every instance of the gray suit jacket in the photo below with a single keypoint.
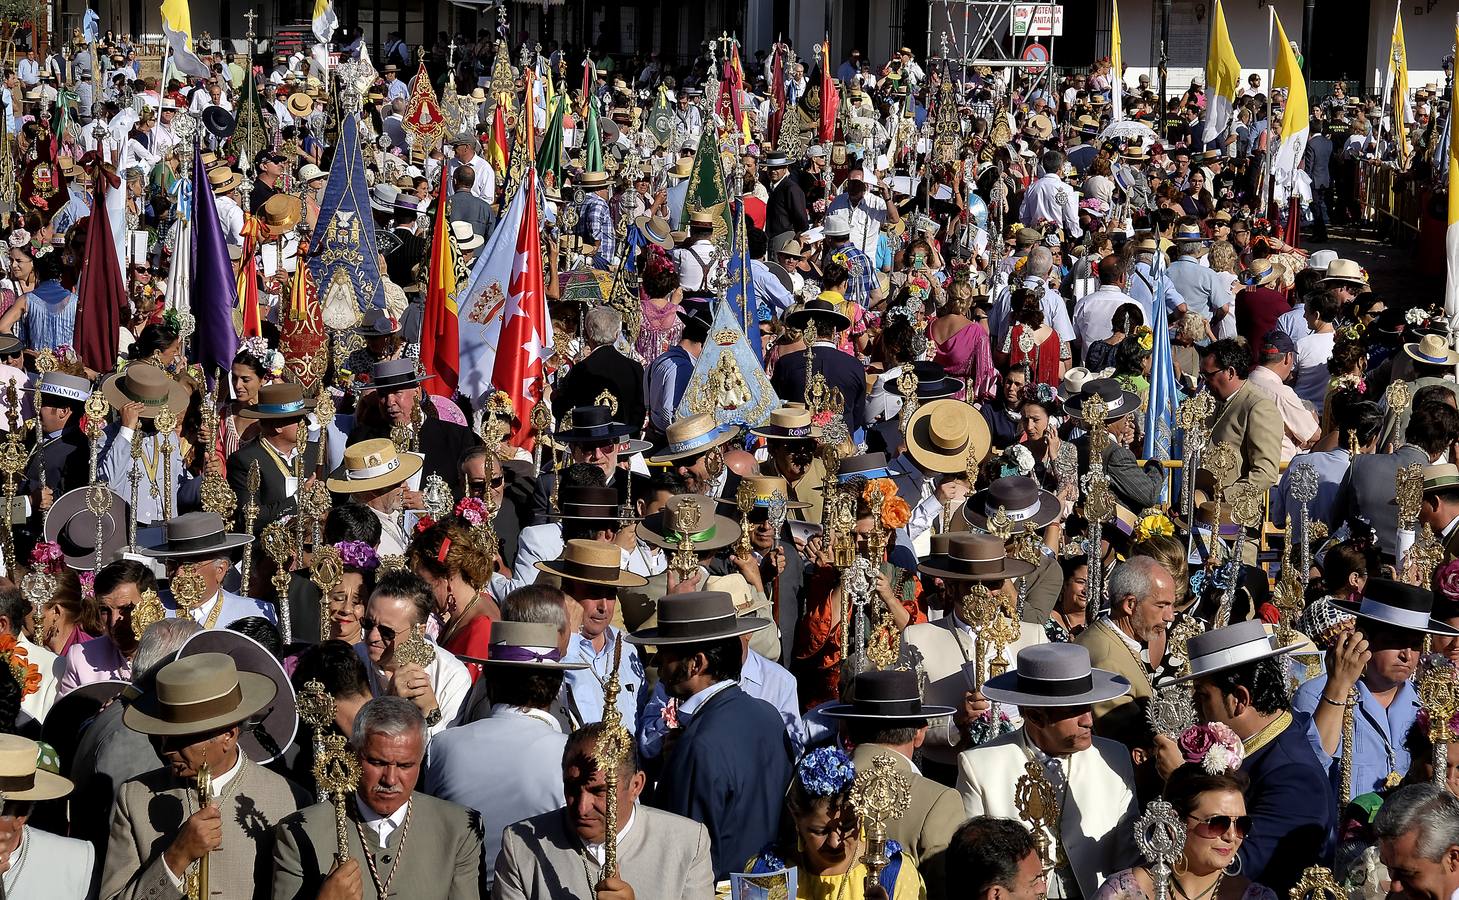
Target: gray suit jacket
[
  {"x": 150, "y": 811},
  {"x": 442, "y": 858},
  {"x": 1368, "y": 490},
  {"x": 663, "y": 857}
]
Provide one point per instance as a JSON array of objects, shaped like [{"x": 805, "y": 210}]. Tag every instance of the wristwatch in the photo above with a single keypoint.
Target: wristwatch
[{"x": 433, "y": 718}]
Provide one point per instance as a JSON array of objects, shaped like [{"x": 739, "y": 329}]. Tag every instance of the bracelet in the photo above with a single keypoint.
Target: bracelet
[{"x": 1330, "y": 702}]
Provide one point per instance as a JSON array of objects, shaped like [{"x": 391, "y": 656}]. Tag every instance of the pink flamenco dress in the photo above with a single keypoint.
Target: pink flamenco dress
[
  {"x": 660, "y": 328},
  {"x": 968, "y": 355}
]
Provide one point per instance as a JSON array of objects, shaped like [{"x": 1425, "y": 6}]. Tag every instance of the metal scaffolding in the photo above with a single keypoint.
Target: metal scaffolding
[{"x": 986, "y": 37}]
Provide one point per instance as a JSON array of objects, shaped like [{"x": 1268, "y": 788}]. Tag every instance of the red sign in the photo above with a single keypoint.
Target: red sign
[{"x": 1036, "y": 53}]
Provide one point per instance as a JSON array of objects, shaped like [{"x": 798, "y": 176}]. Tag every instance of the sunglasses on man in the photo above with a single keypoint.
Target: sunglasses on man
[{"x": 369, "y": 624}]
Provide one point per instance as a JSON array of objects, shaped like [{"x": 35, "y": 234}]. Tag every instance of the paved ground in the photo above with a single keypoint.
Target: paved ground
[{"x": 1391, "y": 270}]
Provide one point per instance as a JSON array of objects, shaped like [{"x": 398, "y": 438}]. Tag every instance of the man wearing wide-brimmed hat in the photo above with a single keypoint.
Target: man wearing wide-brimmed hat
[
  {"x": 198, "y": 548},
  {"x": 693, "y": 448},
  {"x": 591, "y": 575},
  {"x": 842, "y": 370},
  {"x": 401, "y": 841},
  {"x": 1240, "y": 677},
  {"x": 139, "y": 394},
  {"x": 508, "y": 766},
  {"x": 396, "y": 386},
  {"x": 1133, "y": 486},
  {"x": 1203, "y": 290},
  {"x": 595, "y": 220},
  {"x": 376, "y": 475},
  {"x": 1377, "y": 659},
  {"x": 945, "y": 438},
  {"x": 947, "y": 645},
  {"x": 194, "y": 713},
  {"x": 884, "y": 716},
  {"x": 738, "y": 796},
  {"x": 1025, "y": 505},
  {"x": 586, "y": 508},
  {"x": 591, "y": 435},
  {"x": 1440, "y": 509},
  {"x": 791, "y": 439},
  {"x": 381, "y": 333},
  {"x": 1054, "y": 687},
  {"x": 282, "y": 409},
  {"x": 38, "y": 863},
  {"x": 62, "y": 462}
]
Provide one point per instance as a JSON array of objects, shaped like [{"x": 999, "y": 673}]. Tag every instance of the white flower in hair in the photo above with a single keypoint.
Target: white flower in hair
[{"x": 1020, "y": 458}]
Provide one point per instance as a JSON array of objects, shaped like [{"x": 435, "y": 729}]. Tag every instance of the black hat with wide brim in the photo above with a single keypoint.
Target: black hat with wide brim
[
  {"x": 697, "y": 617},
  {"x": 1397, "y": 605},
  {"x": 888, "y": 695}
]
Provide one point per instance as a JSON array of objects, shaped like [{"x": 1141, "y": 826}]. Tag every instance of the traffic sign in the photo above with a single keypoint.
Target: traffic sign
[{"x": 1038, "y": 54}]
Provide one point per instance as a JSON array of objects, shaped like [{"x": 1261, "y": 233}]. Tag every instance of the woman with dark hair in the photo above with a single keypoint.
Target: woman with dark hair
[
  {"x": 1070, "y": 615},
  {"x": 1132, "y": 365},
  {"x": 1100, "y": 355},
  {"x": 69, "y": 617},
  {"x": 659, "y": 299},
  {"x": 252, "y": 369},
  {"x": 1212, "y": 809},
  {"x": 829, "y": 840},
  {"x": 1033, "y": 340},
  {"x": 159, "y": 344},
  {"x": 47, "y": 314},
  {"x": 20, "y": 278},
  {"x": 1055, "y": 461}
]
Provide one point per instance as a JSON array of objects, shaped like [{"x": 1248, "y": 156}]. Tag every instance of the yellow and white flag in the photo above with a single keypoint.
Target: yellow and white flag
[
  {"x": 1116, "y": 67},
  {"x": 1398, "y": 72},
  {"x": 1223, "y": 78},
  {"x": 177, "y": 24},
  {"x": 324, "y": 21},
  {"x": 1295, "y": 115},
  {"x": 1451, "y": 234}
]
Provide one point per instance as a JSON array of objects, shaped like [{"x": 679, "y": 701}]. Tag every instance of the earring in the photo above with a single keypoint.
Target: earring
[{"x": 1235, "y": 868}]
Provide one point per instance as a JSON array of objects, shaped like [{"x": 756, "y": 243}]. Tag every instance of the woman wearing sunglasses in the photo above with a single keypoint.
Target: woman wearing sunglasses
[{"x": 1213, "y": 810}]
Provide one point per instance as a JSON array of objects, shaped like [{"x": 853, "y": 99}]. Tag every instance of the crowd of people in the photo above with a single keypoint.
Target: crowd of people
[{"x": 937, "y": 481}]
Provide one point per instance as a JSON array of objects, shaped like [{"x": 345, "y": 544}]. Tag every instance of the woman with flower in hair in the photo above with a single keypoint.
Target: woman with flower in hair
[
  {"x": 659, "y": 298},
  {"x": 20, "y": 275},
  {"x": 70, "y": 616},
  {"x": 347, "y": 600},
  {"x": 960, "y": 343},
  {"x": 1208, "y": 795},
  {"x": 46, "y": 315},
  {"x": 1132, "y": 365},
  {"x": 254, "y": 366},
  {"x": 1055, "y": 461},
  {"x": 829, "y": 841},
  {"x": 452, "y": 558}
]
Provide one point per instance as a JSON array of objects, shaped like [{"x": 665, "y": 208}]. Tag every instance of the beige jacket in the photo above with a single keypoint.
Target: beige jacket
[{"x": 927, "y": 824}]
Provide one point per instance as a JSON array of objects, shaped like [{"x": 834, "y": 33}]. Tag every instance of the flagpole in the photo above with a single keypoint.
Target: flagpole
[
  {"x": 1271, "y": 25},
  {"x": 1390, "y": 76}
]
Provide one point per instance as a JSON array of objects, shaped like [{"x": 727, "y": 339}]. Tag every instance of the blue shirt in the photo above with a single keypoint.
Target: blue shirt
[
  {"x": 759, "y": 677},
  {"x": 1331, "y": 467},
  {"x": 1140, "y": 289},
  {"x": 1294, "y": 323},
  {"x": 587, "y": 684},
  {"x": 1378, "y": 734},
  {"x": 1200, "y": 286}
]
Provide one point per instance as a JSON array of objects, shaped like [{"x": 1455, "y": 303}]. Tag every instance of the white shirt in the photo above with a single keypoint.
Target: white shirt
[
  {"x": 691, "y": 706},
  {"x": 1094, "y": 313},
  {"x": 484, "y": 186},
  {"x": 696, "y": 263},
  {"x": 596, "y": 851},
  {"x": 382, "y": 827},
  {"x": 1049, "y": 198},
  {"x": 866, "y": 217},
  {"x": 28, "y": 71},
  {"x": 230, "y": 216},
  {"x": 392, "y": 539}
]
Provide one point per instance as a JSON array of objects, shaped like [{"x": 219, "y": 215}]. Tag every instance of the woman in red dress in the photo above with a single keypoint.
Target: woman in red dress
[
  {"x": 453, "y": 558},
  {"x": 1034, "y": 341}
]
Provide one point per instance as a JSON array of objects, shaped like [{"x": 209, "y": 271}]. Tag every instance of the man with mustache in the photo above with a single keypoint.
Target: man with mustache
[
  {"x": 661, "y": 856},
  {"x": 412, "y": 844}
]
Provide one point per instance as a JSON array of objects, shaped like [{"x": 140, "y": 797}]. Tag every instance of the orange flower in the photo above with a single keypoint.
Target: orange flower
[
  {"x": 895, "y": 512},
  {"x": 27, "y": 675},
  {"x": 884, "y": 486}
]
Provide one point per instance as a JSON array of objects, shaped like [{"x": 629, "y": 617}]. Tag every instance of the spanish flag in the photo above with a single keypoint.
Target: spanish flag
[{"x": 440, "y": 345}]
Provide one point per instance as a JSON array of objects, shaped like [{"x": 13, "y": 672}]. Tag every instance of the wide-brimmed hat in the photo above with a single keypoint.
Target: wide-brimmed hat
[
  {"x": 223, "y": 179},
  {"x": 820, "y": 310},
  {"x": 788, "y": 423},
  {"x": 1345, "y": 271},
  {"x": 310, "y": 172},
  {"x": 71, "y": 524},
  {"x": 865, "y": 466},
  {"x": 710, "y": 531},
  {"x": 1397, "y": 605},
  {"x": 933, "y": 382},
  {"x": 1072, "y": 382},
  {"x": 193, "y": 535},
  {"x": 1118, "y": 402},
  {"x": 696, "y": 617},
  {"x": 1019, "y": 498},
  {"x": 1185, "y": 234},
  {"x": 199, "y": 694},
  {"x": 266, "y": 734},
  {"x": 372, "y": 465},
  {"x": 384, "y": 197},
  {"x": 300, "y": 105},
  {"x": 1433, "y": 350},
  {"x": 657, "y": 230},
  {"x": 1226, "y": 648},
  {"x": 1264, "y": 272},
  {"x": 942, "y": 434},
  {"x": 148, "y": 385},
  {"x": 775, "y": 160},
  {"x": 892, "y": 694},
  {"x": 526, "y": 645},
  {"x": 590, "y": 503},
  {"x": 1055, "y": 675},
  {"x": 281, "y": 400},
  {"x": 68, "y": 387},
  {"x": 591, "y": 425},
  {"x": 378, "y": 323},
  {"x": 764, "y": 488},
  {"x": 593, "y": 180},
  {"x": 219, "y": 122},
  {"x": 594, "y": 562},
  {"x": 21, "y": 775},
  {"x": 466, "y": 237},
  {"x": 693, "y": 435},
  {"x": 281, "y": 214},
  {"x": 976, "y": 557},
  {"x": 393, "y": 374},
  {"x": 1440, "y": 477}
]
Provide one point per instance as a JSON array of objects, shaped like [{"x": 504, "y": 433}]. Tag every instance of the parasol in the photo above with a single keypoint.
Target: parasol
[{"x": 1129, "y": 130}]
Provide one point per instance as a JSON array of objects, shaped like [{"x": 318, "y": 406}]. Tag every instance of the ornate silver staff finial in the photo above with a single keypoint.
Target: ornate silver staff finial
[
  {"x": 1304, "y": 490},
  {"x": 1160, "y": 835}
]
